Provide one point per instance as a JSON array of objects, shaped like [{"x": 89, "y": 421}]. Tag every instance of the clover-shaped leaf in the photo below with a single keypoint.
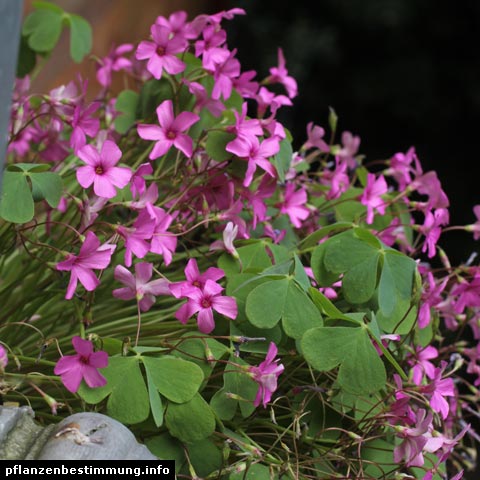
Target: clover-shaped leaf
[
  {"x": 18, "y": 194},
  {"x": 361, "y": 371},
  {"x": 284, "y": 300}
]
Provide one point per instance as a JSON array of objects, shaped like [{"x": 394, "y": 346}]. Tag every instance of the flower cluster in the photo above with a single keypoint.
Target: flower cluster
[{"x": 177, "y": 212}]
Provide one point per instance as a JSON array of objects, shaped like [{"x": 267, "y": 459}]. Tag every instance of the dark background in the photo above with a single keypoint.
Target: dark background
[{"x": 397, "y": 72}]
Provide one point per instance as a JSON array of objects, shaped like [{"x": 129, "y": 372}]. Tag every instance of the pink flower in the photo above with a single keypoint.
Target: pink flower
[
  {"x": 163, "y": 242},
  {"x": 475, "y": 227},
  {"x": 137, "y": 186},
  {"x": 266, "y": 375},
  {"x": 195, "y": 279},
  {"x": 338, "y": 179},
  {"x": 401, "y": 167},
  {"x": 371, "y": 196},
  {"x": 101, "y": 170},
  {"x": 245, "y": 128},
  {"x": 294, "y": 205},
  {"x": 468, "y": 294},
  {"x": 256, "y": 154},
  {"x": 161, "y": 52},
  {"x": 176, "y": 24},
  {"x": 204, "y": 301},
  {"x": 431, "y": 297},
  {"x": 280, "y": 75},
  {"x": 72, "y": 368},
  {"x": 92, "y": 255},
  {"x": 113, "y": 62},
  {"x": 350, "y": 143},
  {"x": 136, "y": 237},
  {"x": 431, "y": 228},
  {"x": 170, "y": 131},
  {"x": 414, "y": 440},
  {"x": 244, "y": 84},
  {"x": 84, "y": 125},
  {"x": 429, "y": 184},
  {"x": 315, "y": 139},
  {"x": 3, "y": 357},
  {"x": 138, "y": 285},
  {"x": 223, "y": 74},
  {"x": 438, "y": 389},
  {"x": 265, "y": 98},
  {"x": 229, "y": 235},
  {"x": 422, "y": 365},
  {"x": 215, "y": 107},
  {"x": 211, "y": 47}
]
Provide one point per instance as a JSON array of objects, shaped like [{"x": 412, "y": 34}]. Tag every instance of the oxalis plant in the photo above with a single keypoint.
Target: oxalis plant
[{"x": 250, "y": 310}]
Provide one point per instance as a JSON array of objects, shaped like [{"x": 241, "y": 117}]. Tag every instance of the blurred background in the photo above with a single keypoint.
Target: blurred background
[{"x": 397, "y": 72}]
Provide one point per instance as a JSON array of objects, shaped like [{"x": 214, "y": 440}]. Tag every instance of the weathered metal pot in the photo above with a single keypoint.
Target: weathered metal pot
[{"x": 82, "y": 436}]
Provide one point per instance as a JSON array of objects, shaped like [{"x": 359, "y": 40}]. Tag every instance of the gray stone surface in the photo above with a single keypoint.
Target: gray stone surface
[{"x": 81, "y": 436}]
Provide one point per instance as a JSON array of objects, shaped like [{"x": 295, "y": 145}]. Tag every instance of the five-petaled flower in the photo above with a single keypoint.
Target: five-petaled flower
[
  {"x": 138, "y": 285},
  {"x": 84, "y": 365},
  {"x": 92, "y": 255},
  {"x": 161, "y": 52},
  {"x": 170, "y": 131},
  {"x": 100, "y": 169},
  {"x": 266, "y": 375},
  {"x": 204, "y": 301}
]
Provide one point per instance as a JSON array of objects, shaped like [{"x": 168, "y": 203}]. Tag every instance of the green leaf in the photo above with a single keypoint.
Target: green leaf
[
  {"x": 165, "y": 447},
  {"x": 152, "y": 94},
  {"x": 155, "y": 401},
  {"x": 299, "y": 314},
  {"x": 254, "y": 257},
  {"x": 216, "y": 143},
  {"x": 47, "y": 186},
  {"x": 312, "y": 239},
  {"x": 205, "y": 457},
  {"x": 239, "y": 384},
  {"x": 401, "y": 320},
  {"x": 348, "y": 208},
  {"x": 254, "y": 471},
  {"x": 361, "y": 371},
  {"x": 28, "y": 167},
  {"x": 43, "y": 28},
  {"x": 283, "y": 159},
  {"x": 386, "y": 290},
  {"x": 128, "y": 401},
  {"x": 224, "y": 406},
  {"x": 282, "y": 299},
  {"x": 16, "y": 202},
  {"x": 191, "y": 421},
  {"x": 127, "y": 105},
  {"x": 80, "y": 37},
  {"x": 27, "y": 58},
  {"x": 194, "y": 350},
  {"x": 326, "y": 306},
  {"x": 175, "y": 378},
  {"x": 345, "y": 251},
  {"x": 265, "y": 303},
  {"x": 300, "y": 274},
  {"x": 402, "y": 269},
  {"x": 359, "y": 282},
  {"x": 323, "y": 277}
]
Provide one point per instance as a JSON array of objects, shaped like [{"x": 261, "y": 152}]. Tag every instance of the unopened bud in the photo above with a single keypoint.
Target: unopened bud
[{"x": 209, "y": 354}]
